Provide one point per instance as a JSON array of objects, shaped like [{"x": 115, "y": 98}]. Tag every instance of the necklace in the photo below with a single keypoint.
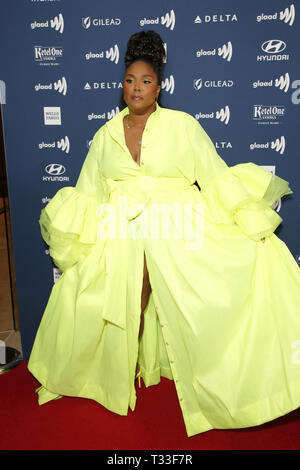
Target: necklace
[{"x": 129, "y": 127}]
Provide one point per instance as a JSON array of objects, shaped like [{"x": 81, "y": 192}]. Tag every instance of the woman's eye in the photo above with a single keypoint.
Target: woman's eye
[
  {"x": 147, "y": 81},
  {"x": 128, "y": 80}
]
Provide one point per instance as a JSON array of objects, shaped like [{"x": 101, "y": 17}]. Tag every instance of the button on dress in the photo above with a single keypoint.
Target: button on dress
[{"x": 223, "y": 317}]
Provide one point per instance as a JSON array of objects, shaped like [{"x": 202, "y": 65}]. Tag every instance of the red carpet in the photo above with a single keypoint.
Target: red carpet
[{"x": 156, "y": 423}]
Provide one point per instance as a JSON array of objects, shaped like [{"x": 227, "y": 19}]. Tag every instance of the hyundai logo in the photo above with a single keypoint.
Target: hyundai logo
[
  {"x": 273, "y": 46},
  {"x": 55, "y": 169}
]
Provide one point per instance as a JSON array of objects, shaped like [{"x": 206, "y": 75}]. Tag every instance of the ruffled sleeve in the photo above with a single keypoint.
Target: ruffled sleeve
[
  {"x": 69, "y": 221},
  {"x": 242, "y": 194}
]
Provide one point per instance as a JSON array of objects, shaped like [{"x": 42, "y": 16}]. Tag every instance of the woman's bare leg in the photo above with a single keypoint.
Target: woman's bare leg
[{"x": 146, "y": 290}]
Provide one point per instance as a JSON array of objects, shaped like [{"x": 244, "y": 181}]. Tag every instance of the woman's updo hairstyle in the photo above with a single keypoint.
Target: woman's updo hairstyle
[{"x": 149, "y": 47}]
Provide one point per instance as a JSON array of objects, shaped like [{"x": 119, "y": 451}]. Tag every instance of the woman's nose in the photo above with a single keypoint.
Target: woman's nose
[{"x": 136, "y": 86}]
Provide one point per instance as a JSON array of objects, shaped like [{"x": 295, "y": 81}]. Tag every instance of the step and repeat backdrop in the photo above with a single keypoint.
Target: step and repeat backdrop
[{"x": 232, "y": 65}]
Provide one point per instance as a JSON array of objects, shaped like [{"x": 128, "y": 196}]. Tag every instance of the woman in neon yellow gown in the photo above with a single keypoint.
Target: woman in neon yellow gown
[{"x": 223, "y": 317}]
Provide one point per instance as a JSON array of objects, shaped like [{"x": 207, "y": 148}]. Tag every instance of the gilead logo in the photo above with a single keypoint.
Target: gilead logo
[
  {"x": 198, "y": 83},
  {"x": 87, "y": 22}
]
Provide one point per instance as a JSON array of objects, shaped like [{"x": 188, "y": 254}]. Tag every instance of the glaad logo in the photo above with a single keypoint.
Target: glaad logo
[
  {"x": 224, "y": 51},
  {"x": 287, "y": 15},
  {"x": 168, "y": 20},
  {"x": 224, "y": 18},
  {"x": 2, "y": 92},
  {"x": 112, "y": 54},
  {"x": 278, "y": 145},
  {"x": 271, "y": 168},
  {"x": 268, "y": 114},
  {"x": 60, "y": 86},
  {"x": 56, "y": 274},
  {"x": 47, "y": 55},
  {"x": 87, "y": 22},
  {"x": 46, "y": 199},
  {"x": 273, "y": 47},
  {"x": 295, "y": 95},
  {"x": 55, "y": 170},
  {"x": 222, "y": 115},
  {"x": 56, "y": 23},
  {"x": 168, "y": 85},
  {"x": 283, "y": 83},
  {"x": 62, "y": 144},
  {"x": 109, "y": 115},
  {"x": 198, "y": 83}
]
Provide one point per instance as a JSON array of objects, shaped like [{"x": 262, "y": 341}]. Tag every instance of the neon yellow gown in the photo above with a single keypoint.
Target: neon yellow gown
[{"x": 223, "y": 318}]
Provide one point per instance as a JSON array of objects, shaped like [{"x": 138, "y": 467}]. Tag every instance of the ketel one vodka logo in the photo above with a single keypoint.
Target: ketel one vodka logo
[
  {"x": 63, "y": 144},
  {"x": 47, "y": 55},
  {"x": 60, "y": 86}
]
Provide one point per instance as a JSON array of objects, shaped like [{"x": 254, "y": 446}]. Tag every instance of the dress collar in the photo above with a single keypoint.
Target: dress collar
[{"x": 115, "y": 125}]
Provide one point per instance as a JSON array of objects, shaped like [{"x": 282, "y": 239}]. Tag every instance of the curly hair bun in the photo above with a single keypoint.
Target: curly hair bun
[{"x": 147, "y": 46}]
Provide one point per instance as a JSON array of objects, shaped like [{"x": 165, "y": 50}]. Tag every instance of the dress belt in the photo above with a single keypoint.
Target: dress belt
[{"x": 139, "y": 190}]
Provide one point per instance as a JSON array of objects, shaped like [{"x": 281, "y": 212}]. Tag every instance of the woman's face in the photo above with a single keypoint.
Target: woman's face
[{"x": 140, "y": 87}]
